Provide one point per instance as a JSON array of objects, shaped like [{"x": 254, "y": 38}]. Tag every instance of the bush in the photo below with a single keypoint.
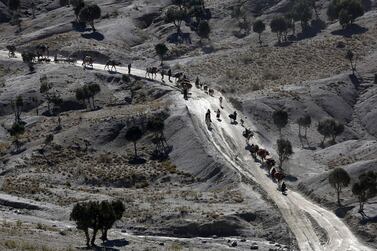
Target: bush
[{"x": 345, "y": 10}]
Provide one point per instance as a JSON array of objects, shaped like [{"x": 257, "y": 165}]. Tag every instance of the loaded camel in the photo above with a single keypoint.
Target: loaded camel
[
  {"x": 11, "y": 51},
  {"x": 42, "y": 52},
  {"x": 151, "y": 72},
  {"x": 87, "y": 61},
  {"x": 111, "y": 65}
]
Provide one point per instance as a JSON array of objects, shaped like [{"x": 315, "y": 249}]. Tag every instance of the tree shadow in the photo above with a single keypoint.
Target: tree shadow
[
  {"x": 93, "y": 35},
  {"x": 341, "y": 212},
  {"x": 181, "y": 38},
  {"x": 116, "y": 243},
  {"x": 283, "y": 44},
  {"x": 352, "y": 29},
  {"x": 136, "y": 160},
  {"x": 366, "y": 219},
  {"x": 316, "y": 26},
  {"x": 291, "y": 178},
  {"x": 80, "y": 27},
  {"x": 356, "y": 80}
]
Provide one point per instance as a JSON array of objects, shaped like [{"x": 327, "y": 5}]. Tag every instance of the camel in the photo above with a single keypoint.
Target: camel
[
  {"x": 178, "y": 75},
  {"x": 42, "y": 51},
  {"x": 87, "y": 61},
  {"x": 270, "y": 163},
  {"x": 205, "y": 88},
  {"x": 248, "y": 134},
  {"x": 253, "y": 150},
  {"x": 151, "y": 72},
  {"x": 263, "y": 153},
  {"x": 211, "y": 92},
  {"x": 113, "y": 64},
  {"x": 11, "y": 51}
]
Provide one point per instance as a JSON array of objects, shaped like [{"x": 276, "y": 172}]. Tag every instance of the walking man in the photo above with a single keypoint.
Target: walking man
[{"x": 129, "y": 69}]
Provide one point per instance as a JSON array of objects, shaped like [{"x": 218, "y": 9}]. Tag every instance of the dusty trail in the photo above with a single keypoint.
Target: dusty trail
[{"x": 227, "y": 139}]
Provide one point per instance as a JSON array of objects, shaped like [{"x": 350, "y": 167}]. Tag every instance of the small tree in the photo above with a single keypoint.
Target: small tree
[
  {"x": 17, "y": 107},
  {"x": 28, "y": 58},
  {"x": 259, "y": 27},
  {"x": 305, "y": 122},
  {"x": 14, "y": 6},
  {"x": 203, "y": 30},
  {"x": 156, "y": 126},
  {"x": 16, "y": 131},
  {"x": 338, "y": 179},
  {"x": 161, "y": 51},
  {"x": 134, "y": 134},
  {"x": 93, "y": 90},
  {"x": 44, "y": 89},
  {"x": 86, "y": 216},
  {"x": 279, "y": 26},
  {"x": 345, "y": 10},
  {"x": 90, "y": 13},
  {"x": 302, "y": 12},
  {"x": 280, "y": 118},
  {"x": 350, "y": 56},
  {"x": 330, "y": 128},
  {"x": 110, "y": 212},
  {"x": 284, "y": 151},
  {"x": 176, "y": 15},
  {"x": 365, "y": 188}
]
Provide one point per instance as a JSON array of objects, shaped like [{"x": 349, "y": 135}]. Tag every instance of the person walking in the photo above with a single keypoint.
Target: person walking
[
  {"x": 129, "y": 69},
  {"x": 169, "y": 74},
  {"x": 221, "y": 102},
  {"x": 218, "y": 114}
]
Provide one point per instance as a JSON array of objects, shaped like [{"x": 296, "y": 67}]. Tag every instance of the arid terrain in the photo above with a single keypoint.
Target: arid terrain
[{"x": 208, "y": 192}]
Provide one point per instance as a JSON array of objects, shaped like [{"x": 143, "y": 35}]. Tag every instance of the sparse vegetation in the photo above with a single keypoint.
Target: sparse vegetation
[
  {"x": 134, "y": 134},
  {"x": 259, "y": 27}
]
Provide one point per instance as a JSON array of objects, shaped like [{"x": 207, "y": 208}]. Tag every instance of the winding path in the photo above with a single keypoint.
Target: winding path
[{"x": 227, "y": 139}]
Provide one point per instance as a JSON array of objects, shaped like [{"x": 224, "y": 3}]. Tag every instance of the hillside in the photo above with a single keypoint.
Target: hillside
[{"x": 207, "y": 193}]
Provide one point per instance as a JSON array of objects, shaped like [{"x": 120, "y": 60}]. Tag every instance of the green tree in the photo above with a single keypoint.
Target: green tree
[
  {"x": 110, "y": 212},
  {"x": 338, "y": 179},
  {"x": 280, "y": 118},
  {"x": 330, "y": 128},
  {"x": 284, "y": 151},
  {"x": 161, "y": 50},
  {"x": 279, "y": 26},
  {"x": 28, "y": 58},
  {"x": 302, "y": 12},
  {"x": 204, "y": 29},
  {"x": 259, "y": 27},
  {"x": 134, "y": 134},
  {"x": 93, "y": 90},
  {"x": 345, "y": 10},
  {"x": 176, "y": 15},
  {"x": 365, "y": 188},
  {"x": 304, "y": 121},
  {"x": 89, "y": 13}
]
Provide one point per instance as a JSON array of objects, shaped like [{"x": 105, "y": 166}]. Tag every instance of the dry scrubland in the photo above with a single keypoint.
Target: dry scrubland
[{"x": 192, "y": 193}]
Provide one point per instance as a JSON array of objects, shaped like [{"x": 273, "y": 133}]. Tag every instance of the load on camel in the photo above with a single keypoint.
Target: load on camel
[
  {"x": 111, "y": 65},
  {"x": 11, "y": 51},
  {"x": 42, "y": 52},
  {"x": 248, "y": 134},
  {"x": 87, "y": 62},
  {"x": 70, "y": 60}
]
